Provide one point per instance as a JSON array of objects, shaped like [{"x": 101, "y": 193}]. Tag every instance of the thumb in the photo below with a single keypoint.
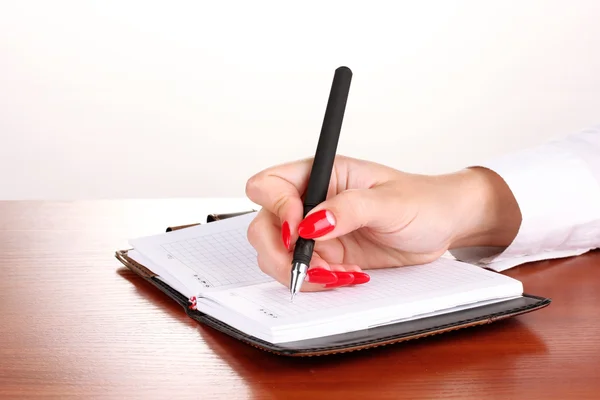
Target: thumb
[{"x": 346, "y": 212}]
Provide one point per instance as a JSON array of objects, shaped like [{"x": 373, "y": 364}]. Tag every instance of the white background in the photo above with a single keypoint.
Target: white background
[{"x": 113, "y": 99}]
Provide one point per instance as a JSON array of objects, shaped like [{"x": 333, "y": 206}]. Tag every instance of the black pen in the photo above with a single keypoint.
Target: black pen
[{"x": 320, "y": 174}]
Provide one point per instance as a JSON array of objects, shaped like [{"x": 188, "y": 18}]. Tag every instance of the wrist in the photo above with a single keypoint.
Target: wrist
[{"x": 487, "y": 212}]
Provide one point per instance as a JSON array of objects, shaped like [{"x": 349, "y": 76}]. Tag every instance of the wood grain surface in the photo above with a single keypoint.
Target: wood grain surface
[{"x": 74, "y": 323}]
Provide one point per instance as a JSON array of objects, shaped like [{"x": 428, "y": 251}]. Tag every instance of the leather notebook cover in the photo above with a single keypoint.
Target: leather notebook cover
[{"x": 351, "y": 341}]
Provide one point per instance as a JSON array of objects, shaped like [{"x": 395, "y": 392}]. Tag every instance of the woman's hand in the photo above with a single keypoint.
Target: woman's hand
[{"x": 375, "y": 217}]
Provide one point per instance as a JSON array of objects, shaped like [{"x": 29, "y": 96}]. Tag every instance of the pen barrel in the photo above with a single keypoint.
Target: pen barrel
[
  {"x": 318, "y": 184},
  {"x": 304, "y": 250}
]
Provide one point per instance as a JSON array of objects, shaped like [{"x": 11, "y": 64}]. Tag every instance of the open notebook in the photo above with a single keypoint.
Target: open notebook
[{"x": 214, "y": 268}]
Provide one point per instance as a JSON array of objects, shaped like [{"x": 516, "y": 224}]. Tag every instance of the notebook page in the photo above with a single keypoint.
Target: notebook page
[
  {"x": 163, "y": 275},
  {"x": 206, "y": 257},
  {"x": 392, "y": 293}
]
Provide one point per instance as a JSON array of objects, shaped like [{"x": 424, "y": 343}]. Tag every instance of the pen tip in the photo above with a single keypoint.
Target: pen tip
[{"x": 292, "y": 299}]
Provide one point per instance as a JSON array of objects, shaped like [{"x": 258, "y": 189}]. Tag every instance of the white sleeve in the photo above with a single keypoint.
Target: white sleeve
[{"x": 557, "y": 188}]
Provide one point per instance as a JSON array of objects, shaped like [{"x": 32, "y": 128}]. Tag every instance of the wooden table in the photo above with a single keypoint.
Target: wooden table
[{"x": 74, "y": 323}]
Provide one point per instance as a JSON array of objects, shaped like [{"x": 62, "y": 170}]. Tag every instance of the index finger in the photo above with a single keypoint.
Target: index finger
[
  {"x": 278, "y": 189},
  {"x": 272, "y": 259}
]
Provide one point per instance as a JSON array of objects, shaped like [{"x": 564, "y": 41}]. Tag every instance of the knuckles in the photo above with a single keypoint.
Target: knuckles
[
  {"x": 261, "y": 264},
  {"x": 259, "y": 240},
  {"x": 254, "y": 237},
  {"x": 253, "y": 233},
  {"x": 253, "y": 186}
]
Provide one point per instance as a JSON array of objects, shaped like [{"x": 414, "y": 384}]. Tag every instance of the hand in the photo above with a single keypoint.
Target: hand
[{"x": 375, "y": 217}]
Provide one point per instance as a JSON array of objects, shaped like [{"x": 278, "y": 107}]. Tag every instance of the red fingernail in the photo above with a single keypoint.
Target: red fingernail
[
  {"x": 360, "y": 278},
  {"x": 343, "y": 279},
  {"x": 317, "y": 224},
  {"x": 320, "y": 275},
  {"x": 285, "y": 234}
]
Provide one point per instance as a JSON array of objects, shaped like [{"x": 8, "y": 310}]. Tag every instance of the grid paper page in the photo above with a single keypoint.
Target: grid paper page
[
  {"x": 444, "y": 282},
  {"x": 214, "y": 255},
  {"x": 229, "y": 257}
]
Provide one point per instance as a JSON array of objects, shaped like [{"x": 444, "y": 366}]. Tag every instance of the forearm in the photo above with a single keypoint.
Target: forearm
[
  {"x": 538, "y": 203},
  {"x": 487, "y": 213}
]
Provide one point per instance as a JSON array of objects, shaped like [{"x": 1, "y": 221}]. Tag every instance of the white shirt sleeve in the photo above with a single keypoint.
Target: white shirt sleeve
[{"x": 557, "y": 188}]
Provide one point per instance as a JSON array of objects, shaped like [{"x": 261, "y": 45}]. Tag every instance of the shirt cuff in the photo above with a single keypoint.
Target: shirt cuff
[{"x": 559, "y": 199}]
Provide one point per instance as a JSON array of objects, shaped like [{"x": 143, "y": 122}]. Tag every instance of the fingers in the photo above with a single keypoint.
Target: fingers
[
  {"x": 348, "y": 211},
  {"x": 278, "y": 190},
  {"x": 271, "y": 255},
  {"x": 275, "y": 260},
  {"x": 348, "y": 275}
]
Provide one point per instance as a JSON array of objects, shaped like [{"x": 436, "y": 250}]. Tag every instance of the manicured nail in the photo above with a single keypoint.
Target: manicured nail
[
  {"x": 285, "y": 234},
  {"x": 360, "y": 278},
  {"x": 316, "y": 224},
  {"x": 321, "y": 276},
  {"x": 343, "y": 279}
]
